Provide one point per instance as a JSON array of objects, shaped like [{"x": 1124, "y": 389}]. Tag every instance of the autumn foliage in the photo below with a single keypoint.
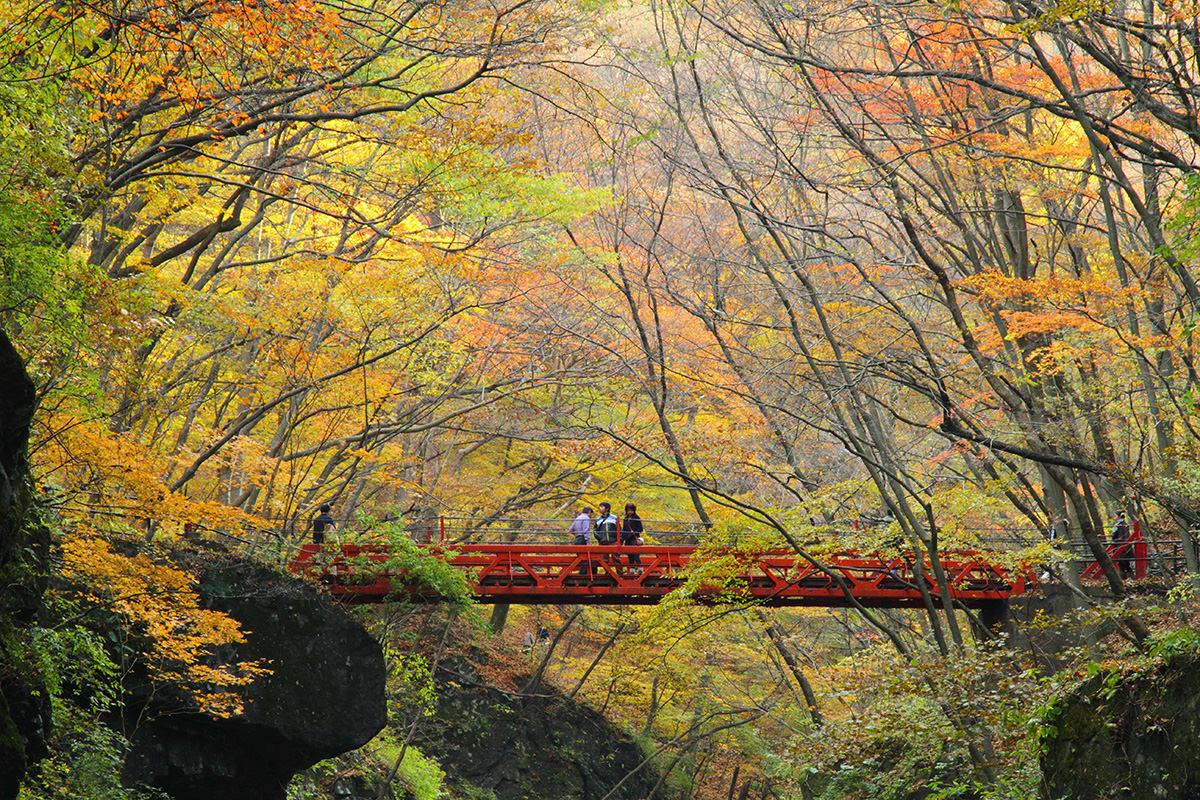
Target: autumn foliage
[{"x": 883, "y": 276}]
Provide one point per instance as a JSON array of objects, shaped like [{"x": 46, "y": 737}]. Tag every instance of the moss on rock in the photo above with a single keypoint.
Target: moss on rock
[
  {"x": 513, "y": 747},
  {"x": 1126, "y": 736}
]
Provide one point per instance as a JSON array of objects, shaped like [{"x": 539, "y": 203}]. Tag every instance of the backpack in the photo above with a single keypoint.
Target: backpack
[{"x": 606, "y": 529}]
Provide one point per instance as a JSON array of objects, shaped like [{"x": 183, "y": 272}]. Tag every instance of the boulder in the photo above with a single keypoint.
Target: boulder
[{"x": 324, "y": 696}]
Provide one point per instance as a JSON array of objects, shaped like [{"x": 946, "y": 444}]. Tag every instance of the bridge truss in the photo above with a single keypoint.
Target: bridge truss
[{"x": 537, "y": 573}]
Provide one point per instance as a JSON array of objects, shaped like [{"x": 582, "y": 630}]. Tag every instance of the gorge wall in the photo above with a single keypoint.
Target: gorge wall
[
  {"x": 529, "y": 744},
  {"x": 24, "y": 706},
  {"x": 324, "y": 696},
  {"x": 1131, "y": 735}
]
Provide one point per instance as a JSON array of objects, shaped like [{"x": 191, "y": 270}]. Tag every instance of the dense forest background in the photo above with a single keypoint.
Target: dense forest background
[{"x": 771, "y": 267}]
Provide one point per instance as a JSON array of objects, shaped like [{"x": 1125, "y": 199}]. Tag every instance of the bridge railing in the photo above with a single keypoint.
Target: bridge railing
[
  {"x": 553, "y": 530},
  {"x": 1161, "y": 555},
  {"x": 566, "y": 573},
  {"x": 1158, "y": 556}
]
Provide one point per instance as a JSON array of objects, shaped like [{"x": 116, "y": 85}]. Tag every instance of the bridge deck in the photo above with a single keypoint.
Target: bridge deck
[{"x": 523, "y": 573}]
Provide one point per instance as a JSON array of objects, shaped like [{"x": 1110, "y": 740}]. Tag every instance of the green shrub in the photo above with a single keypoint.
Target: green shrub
[{"x": 421, "y": 775}]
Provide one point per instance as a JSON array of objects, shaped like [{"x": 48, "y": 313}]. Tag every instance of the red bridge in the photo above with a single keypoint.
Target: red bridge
[{"x": 532, "y": 573}]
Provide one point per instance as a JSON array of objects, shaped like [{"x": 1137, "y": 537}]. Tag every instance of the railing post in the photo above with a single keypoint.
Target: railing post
[
  {"x": 1141, "y": 552},
  {"x": 442, "y": 525}
]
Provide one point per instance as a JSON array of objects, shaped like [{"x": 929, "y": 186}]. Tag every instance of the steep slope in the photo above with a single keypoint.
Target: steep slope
[
  {"x": 24, "y": 711},
  {"x": 521, "y": 745},
  {"x": 1127, "y": 736}
]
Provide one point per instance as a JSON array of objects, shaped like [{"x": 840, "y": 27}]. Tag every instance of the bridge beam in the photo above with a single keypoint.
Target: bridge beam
[{"x": 532, "y": 574}]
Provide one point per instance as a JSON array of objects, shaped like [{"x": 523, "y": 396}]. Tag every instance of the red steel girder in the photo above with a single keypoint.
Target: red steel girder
[{"x": 605, "y": 575}]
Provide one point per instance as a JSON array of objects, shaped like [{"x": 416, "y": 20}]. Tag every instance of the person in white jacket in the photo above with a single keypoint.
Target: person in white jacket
[{"x": 581, "y": 528}]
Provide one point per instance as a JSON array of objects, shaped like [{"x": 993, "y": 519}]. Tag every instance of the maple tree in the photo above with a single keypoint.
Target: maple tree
[
  {"x": 249, "y": 270},
  {"x": 158, "y": 601},
  {"x": 238, "y": 159},
  {"x": 941, "y": 252},
  {"x": 932, "y": 243}
]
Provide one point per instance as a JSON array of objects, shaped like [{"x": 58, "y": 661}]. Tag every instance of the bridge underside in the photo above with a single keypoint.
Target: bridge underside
[{"x": 532, "y": 574}]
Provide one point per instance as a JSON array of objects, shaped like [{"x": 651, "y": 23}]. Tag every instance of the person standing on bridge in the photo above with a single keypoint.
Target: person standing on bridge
[
  {"x": 608, "y": 527},
  {"x": 608, "y": 530},
  {"x": 1121, "y": 545},
  {"x": 631, "y": 532},
  {"x": 581, "y": 528},
  {"x": 320, "y": 523}
]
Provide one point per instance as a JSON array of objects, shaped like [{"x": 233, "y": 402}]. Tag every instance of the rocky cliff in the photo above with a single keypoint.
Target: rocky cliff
[
  {"x": 1127, "y": 736},
  {"x": 324, "y": 696},
  {"x": 24, "y": 712},
  {"x": 515, "y": 746}
]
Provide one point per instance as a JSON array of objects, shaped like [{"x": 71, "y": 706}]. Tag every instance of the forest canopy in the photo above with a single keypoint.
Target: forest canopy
[
  {"x": 772, "y": 267},
  {"x": 486, "y": 263}
]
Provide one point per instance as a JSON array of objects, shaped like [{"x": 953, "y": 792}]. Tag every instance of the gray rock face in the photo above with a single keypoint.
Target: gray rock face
[
  {"x": 520, "y": 747},
  {"x": 1127, "y": 737},
  {"x": 325, "y": 695},
  {"x": 24, "y": 720}
]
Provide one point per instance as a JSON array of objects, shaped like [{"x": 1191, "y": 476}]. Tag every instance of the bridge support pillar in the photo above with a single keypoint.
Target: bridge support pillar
[
  {"x": 499, "y": 617},
  {"x": 991, "y": 619}
]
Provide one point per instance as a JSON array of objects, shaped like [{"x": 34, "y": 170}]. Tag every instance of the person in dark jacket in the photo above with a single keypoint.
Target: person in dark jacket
[
  {"x": 1122, "y": 546},
  {"x": 320, "y": 523},
  {"x": 607, "y": 525},
  {"x": 608, "y": 530},
  {"x": 631, "y": 532}
]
